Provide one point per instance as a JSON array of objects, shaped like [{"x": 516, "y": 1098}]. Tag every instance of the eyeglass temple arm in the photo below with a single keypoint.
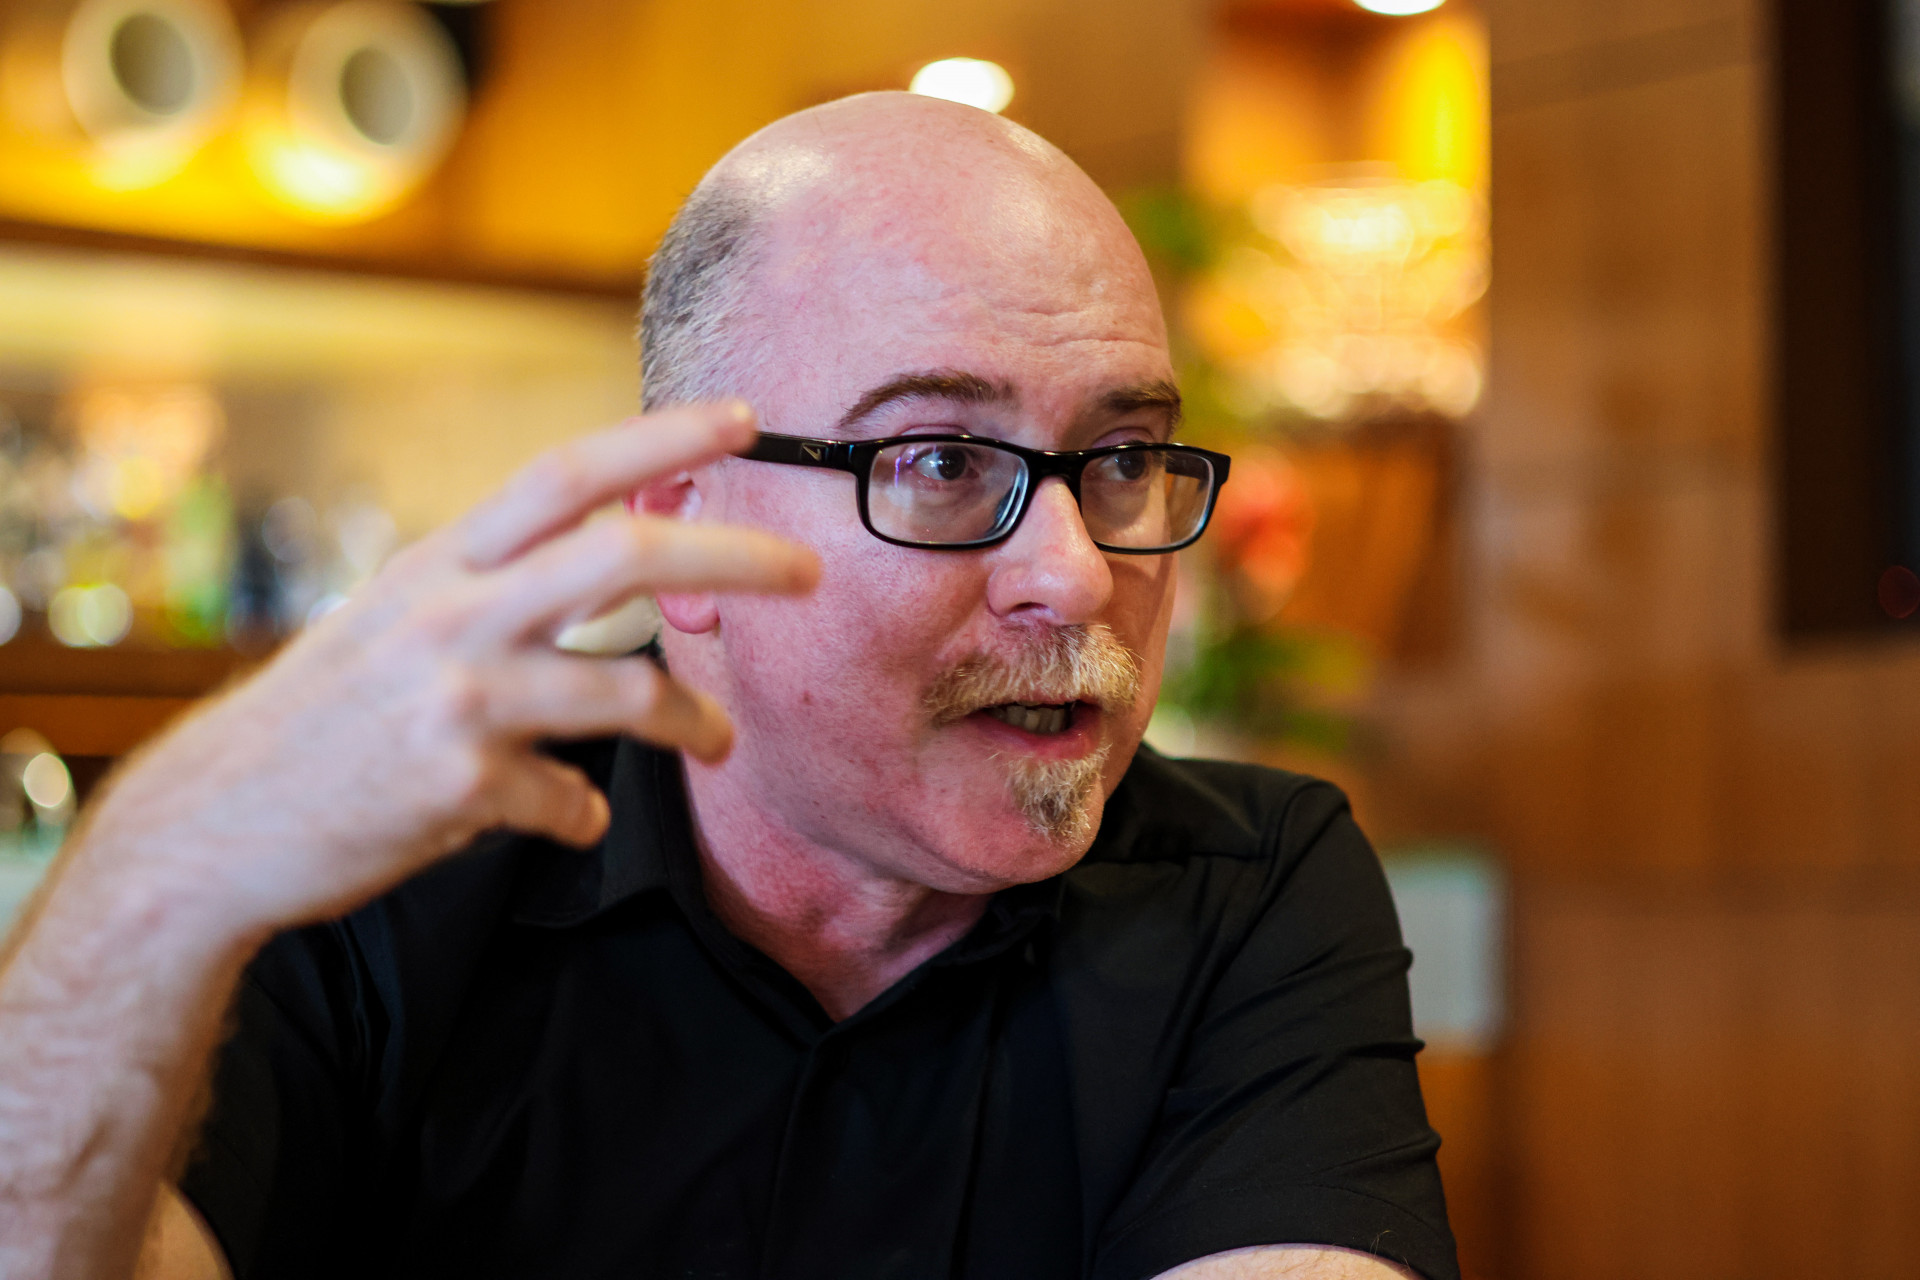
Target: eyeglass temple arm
[{"x": 800, "y": 451}]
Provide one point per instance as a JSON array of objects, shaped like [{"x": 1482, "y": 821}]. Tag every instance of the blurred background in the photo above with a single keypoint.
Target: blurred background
[{"x": 1560, "y": 344}]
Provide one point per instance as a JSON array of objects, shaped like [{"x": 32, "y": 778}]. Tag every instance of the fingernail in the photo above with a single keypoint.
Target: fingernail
[
  {"x": 594, "y": 821},
  {"x": 806, "y": 570},
  {"x": 719, "y": 742},
  {"x": 738, "y": 411}
]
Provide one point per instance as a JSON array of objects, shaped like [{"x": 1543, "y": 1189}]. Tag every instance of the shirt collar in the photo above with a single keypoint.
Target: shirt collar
[
  {"x": 649, "y": 846},
  {"x": 647, "y": 806}
]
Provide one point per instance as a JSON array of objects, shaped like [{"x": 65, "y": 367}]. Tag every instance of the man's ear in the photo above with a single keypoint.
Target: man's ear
[
  {"x": 674, "y": 497},
  {"x": 694, "y": 613},
  {"x": 677, "y": 497}
]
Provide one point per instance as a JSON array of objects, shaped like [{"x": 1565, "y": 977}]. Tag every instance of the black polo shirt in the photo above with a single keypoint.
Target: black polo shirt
[{"x": 532, "y": 1061}]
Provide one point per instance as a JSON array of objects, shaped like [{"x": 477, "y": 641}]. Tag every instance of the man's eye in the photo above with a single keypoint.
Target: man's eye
[
  {"x": 1130, "y": 467},
  {"x": 946, "y": 464}
]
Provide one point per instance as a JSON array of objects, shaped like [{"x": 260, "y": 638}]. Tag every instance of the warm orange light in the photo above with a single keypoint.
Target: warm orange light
[
  {"x": 1355, "y": 299},
  {"x": 133, "y": 87},
  {"x": 142, "y": 444},
  {"x": 1429, "y": 116},
  {"x": 315, "y": 180},
  {"x": 350, "y": 106}
]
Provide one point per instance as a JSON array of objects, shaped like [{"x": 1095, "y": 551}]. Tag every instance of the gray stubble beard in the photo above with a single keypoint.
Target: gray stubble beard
[
  {"x": 1068, "y": 664},
  {"x": 1056, "y": 796}
]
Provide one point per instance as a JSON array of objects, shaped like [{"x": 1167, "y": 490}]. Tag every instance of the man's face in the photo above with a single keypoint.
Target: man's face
[{"x": 830, "y": 694}]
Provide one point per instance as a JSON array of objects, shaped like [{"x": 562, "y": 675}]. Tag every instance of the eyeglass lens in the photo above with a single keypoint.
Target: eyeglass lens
[{"x": 954, "y": 492}]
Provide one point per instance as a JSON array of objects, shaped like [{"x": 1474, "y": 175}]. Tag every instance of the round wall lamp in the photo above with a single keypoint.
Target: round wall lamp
[
  {"x": 142, "y": 84},
  {"x": 349, "y": 106}
]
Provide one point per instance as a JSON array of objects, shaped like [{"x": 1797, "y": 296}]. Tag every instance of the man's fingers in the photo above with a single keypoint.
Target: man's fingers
[
  {"x": 602, "y": 564},
  {"x": 554, "y": 695},
  {"x": 559, "y": 488},
  {"x": 535, "y": 794}
]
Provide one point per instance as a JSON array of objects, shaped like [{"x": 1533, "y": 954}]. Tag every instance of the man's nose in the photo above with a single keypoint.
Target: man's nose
[{"x": 1050, "y": 567}]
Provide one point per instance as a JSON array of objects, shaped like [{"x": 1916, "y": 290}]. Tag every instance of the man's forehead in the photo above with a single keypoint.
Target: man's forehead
[
  {"x": 978, "y": 326},
  {"x": 1154, "y": 396},
  {"x": 954, "y": 243},
  {"x": 898, "y": 269},
  {"x": 923, "y": 247}
]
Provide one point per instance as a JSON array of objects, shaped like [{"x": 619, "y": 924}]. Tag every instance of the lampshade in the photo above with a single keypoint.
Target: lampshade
[
  {"x": 139, "y": 85},
  {"x": 351, "y": 105}
]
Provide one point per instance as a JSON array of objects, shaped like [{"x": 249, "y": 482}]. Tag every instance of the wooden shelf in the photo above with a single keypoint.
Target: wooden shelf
[
  {"x": 102, "y": 703},
  {"x": 35, "y": 664},
  {"x": 622, "y": 289}
]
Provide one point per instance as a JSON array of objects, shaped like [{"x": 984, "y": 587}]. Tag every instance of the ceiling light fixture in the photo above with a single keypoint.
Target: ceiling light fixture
[
  {"x": 973, "y": 81},
  {"x": 351, "y": 105},
  {"x": 1399, "y": 8},
  {"x": 141, "y": 83}
]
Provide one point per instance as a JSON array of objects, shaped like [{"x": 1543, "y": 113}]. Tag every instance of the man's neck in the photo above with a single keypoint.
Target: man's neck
[{"x": 845, "y": 930}]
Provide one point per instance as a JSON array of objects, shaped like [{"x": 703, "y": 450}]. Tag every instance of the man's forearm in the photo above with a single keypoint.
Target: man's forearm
[
  {"x": 383, "y": 738},
  {"x": 1289, "y": 1262},
  {"x": 111, "y": 1004}
]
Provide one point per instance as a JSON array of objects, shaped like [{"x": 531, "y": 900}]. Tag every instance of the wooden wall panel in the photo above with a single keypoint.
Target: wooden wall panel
[
  {"x": 1713, "y": 1062},
  {"x": 1460, "y": 1094},
  {"x": 1717, "y": 1082}
]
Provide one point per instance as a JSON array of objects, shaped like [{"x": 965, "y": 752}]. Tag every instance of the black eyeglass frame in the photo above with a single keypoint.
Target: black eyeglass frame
[{"x": 856, "y": 458}]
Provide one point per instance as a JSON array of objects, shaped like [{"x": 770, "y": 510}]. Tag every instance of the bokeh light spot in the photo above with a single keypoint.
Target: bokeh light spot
[
  {"x": 46, "y": 781},
  {"x": 10, "y": 615},
  {"x": 973, "y": 81},
  {"x": 90, "y": 617}
]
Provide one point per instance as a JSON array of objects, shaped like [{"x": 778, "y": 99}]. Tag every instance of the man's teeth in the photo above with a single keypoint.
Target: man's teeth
[{"x": 1034, "y": 719}]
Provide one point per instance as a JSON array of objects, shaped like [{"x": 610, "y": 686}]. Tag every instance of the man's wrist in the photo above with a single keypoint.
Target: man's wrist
[{"x": 130, "y": 897}]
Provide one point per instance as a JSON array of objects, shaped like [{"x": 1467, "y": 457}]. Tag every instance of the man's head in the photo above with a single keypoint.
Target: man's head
[{"x": 891, "y": 265}]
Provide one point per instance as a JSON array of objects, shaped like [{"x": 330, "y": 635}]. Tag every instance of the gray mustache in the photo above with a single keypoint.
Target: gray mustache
[{"x": 1062, "y": 664}]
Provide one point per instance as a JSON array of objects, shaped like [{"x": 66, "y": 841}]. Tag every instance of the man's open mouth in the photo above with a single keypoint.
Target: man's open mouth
[{"x": 1041, "y": 718}]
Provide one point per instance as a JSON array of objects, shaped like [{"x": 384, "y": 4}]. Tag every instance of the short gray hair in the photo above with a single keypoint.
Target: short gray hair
[{"x": 695, "y": 296}]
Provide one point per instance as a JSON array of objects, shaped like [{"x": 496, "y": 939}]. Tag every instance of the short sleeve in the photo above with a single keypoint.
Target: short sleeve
[
  {"x": 1295, "y": 1114},
  {"x": 273, "y": 1163}
]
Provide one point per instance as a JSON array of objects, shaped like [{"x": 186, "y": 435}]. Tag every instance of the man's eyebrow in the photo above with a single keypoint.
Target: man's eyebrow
[
  {"x": 940, "y": 384},
  {"x": 1159, "y": 394}
]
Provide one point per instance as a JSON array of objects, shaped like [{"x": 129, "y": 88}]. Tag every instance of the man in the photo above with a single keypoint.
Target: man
[{"x": 826, "y": 981}]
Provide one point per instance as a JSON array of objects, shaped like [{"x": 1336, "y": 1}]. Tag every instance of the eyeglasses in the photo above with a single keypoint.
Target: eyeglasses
[{"x": 960, "y": 493}]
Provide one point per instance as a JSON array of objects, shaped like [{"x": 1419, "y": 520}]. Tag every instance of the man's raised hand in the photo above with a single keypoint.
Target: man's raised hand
[{"x": 406, "y": 722}]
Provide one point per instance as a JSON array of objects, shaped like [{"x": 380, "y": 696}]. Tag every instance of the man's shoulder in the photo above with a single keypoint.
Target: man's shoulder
[
  {"x": 1184, "y": 809},
  {"x": 354, "y": 985}
]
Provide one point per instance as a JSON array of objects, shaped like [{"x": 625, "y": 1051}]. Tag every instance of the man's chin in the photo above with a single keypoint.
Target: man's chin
[
  {"x": 994, "y": 812},
  {"x": 1027, "y": 858},
  {"x": 1059, "y": 798},
  {"x": 1037, "y": 827}
]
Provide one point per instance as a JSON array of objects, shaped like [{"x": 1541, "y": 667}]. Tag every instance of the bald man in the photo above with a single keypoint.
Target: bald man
[{"x": 869, "y": 942}]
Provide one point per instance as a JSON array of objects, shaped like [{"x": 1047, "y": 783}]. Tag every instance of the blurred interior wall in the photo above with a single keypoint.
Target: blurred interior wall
[
  {"x": 1714, "y": 1066},
  {"x": 594, "y": 118},
  {"x": 681, "y": 81},
  {"x": 1304, "y": 95}
]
